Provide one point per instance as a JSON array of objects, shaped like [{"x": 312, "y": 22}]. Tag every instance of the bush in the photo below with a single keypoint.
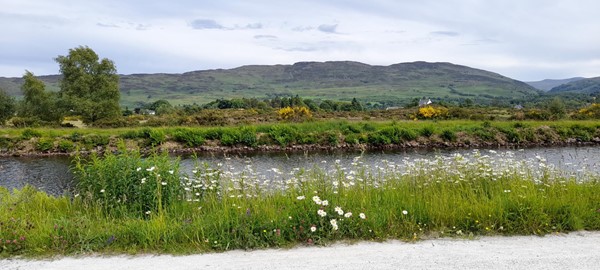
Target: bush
[
  {"x": 378, "y": 139},
  {"x": 189, "y": 137},
  {"x": 21, "y": 122},
  {"x": 44, "y": 145},
  {"x": 66, "y": 146},
  {"x": 247, "y": 136},
  {"x": 283, "y": 134},
  {"x": 448, "y": 135},
  {"x": 426, "y": 131},
  {"x": 154, "y": 137},
  {"x": 111, "y": 123},
  {"x": 229, "y": 137},
  {"x": 295, "y": 114}
]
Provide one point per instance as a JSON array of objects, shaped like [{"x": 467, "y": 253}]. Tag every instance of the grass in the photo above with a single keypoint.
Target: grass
[{"x": 128, "y": 204}]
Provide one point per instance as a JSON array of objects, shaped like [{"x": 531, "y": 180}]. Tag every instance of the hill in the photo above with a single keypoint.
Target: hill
[
  {"x": 546, "y": 85},
  {"x": 341, "y": 80},
  {"x": 585, "y": 86}
]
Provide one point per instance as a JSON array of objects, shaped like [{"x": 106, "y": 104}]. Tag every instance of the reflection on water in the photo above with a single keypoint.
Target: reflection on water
[{"x": 52, "y": 175}]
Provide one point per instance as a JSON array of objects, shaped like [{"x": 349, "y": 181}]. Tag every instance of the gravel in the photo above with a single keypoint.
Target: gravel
[{"x": 577, "y": 250}]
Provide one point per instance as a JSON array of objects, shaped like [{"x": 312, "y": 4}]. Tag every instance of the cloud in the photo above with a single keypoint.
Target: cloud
[
  {"x": 328, "y": 28},
  {"x": 254, "y": 26},
  {"x": 205, "y": 24},
  {"x": 265, "y": 37},
  {"x": 108, "y": 25},
  {"x": 302, "y": 28},
  {"x": 445, "y": 33}
]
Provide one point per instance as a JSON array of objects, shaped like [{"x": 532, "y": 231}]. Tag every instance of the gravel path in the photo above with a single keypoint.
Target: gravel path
[{"x": 578, "y": 250}]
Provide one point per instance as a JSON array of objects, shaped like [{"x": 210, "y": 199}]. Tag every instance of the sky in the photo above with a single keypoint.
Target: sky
[{"x": 526, "y": 40}]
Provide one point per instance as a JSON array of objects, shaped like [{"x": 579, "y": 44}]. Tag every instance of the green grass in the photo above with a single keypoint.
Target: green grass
[{"x": 214, "y": 209}]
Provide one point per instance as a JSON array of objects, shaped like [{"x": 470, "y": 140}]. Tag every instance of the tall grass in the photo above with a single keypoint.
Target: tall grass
[{"x": 216, "y": 208}]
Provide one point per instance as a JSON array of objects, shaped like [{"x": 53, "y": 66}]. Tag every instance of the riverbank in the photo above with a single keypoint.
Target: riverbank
[
  {"x": 311, "y": 136},
  {"x": 576, "y": 250}
]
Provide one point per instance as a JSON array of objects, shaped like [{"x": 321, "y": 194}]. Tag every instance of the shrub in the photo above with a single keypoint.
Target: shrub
[
  {"x": 295, "y": 114},
  {"x": 430, "y": 112},
  {"x": 21, "y": 122},
  {"x": 247, "y": 136},
  {"x": 426, "y": 131},
  {"x": 44, "y": 145},
  {"x": 283, "y": 134},
  {"x": 378, "y": 139},
  {"x": 189, "y": 137},
  {"x": 66, "y": 146},
  {"x": 229, "y": 137},
  {"x": 448, "y": 135}
]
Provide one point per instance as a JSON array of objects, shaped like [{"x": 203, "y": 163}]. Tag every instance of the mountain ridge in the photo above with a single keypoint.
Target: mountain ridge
[{"x": 336, "y": 80}]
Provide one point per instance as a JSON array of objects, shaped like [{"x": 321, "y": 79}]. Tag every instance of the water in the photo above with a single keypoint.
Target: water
[{"x": 51, "y": 174}]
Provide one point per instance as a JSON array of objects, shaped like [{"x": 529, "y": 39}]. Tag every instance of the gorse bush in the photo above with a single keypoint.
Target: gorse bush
[{"x": 30, "y": 133}]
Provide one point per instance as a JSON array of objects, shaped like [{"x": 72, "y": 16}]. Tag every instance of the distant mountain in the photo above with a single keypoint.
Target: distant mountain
[
  {"x": 585, "y": 86},
  {"x": 546, "y": 85},
  {"x": 341, "y": 80}
]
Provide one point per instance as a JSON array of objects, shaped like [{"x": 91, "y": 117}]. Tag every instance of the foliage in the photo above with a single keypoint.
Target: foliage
[
  {"x": 590, "y": 112},
  {"x": 128, "y": 203},
  {"x": 90, "y": 86},
  {"x": 127, "y": 185},
  {"x": 37, "y": 103},
  {"x": 431, "y": 112},
  {"x": 190, "y": 137},
  {"x": 294, "y": 114},
  {"x": 44, "y": 144},
  {"x": 7, "y": 107}
]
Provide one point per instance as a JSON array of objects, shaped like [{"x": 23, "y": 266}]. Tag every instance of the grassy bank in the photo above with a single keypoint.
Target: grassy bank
[
  {"x": 320, "y": 134},
  {"x": 128, "y": 204}
]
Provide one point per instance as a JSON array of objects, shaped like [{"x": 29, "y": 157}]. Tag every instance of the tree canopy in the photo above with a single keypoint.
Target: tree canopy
[
  {"x": 7, "y": 106},
  {"x": 90, "y": 85},
  {"x": 37, "y": 102}
]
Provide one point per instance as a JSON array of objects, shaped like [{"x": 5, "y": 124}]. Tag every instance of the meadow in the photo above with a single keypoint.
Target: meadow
[{"x": 127, "y": 203}]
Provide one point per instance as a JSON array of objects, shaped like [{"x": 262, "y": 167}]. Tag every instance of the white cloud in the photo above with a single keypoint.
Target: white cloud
[{"x": 527, "y": 40}]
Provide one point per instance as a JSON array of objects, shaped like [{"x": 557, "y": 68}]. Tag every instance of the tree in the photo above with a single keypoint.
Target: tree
[
  {"x": 356, "y": 106},
  {"x": 37, "y": 102},
  {"x": 557, "y": 108},
  {"x": 89, "y": 86},
  {"x": 7, "y": 107}
]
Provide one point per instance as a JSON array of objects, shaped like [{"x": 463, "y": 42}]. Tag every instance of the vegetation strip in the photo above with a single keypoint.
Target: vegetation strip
[
  {"x": 128, "y": 204},
  {"x": 302, "y": 136}
]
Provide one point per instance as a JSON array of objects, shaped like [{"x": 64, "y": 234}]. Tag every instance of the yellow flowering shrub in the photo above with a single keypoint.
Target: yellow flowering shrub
[
  {"x": 295, "y": 114},
  {"x": 430, "y": 112},
  {"x": 589, "y": 112}
]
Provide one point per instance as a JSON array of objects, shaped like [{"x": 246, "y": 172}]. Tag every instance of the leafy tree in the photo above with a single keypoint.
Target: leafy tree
[
  {"x": 356, "y": 106},
  {"x": 37, "y": 102},
  {"x": 557, "y": 108},
  {"x": 90, "y": 86},
  {"x": 7, "y": 106}
]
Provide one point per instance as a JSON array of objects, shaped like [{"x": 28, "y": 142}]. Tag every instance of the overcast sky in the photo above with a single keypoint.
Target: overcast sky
[{"x": 522, "y": 39}]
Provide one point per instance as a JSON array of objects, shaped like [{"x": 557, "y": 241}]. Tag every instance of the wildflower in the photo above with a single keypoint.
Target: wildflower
[
  {"x": 102, "y": 191},
  {"x": 362, "y": 215},
  {"x": 171, "y": 171},
  {"x": 290, "y": 217},
  {"x": 404, "y": 212},
  {"x": 313, "y": 228},
  {"x": 148, "y": 212},
  {"x": 339, "y": 210},
  {"x": 163, "y": 183},
  {"x": 321, "y": 213},
  {"x": 151, "y": 169},
  {"x": 300, "y": 198},
  {"x": 138, "y": 169},
  {"x": 507, "y": 191},
  {"x": 143, "y": 180},
  {"x": 316, "y": 199},
  {"x": 348, "y": 214},
  {"x": 324, "y": 203},
  {"x": 334, "y": 224}
]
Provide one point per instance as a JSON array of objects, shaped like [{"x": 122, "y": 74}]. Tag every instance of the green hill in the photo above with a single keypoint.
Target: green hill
[
  {"x": 546, "y": 85},
  {"x": 585, "y": 86},
  {"x": 394, "y": 84}
]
